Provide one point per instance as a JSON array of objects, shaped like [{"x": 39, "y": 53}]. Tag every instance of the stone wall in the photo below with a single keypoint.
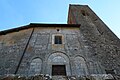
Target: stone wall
[
  {"x": 42, "y": 47},
  {"x": 12, "y": 46},
  {"x": 35, "y": 51}
]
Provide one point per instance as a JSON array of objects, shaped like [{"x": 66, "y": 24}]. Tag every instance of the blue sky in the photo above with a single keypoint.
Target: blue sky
[{"x": 15, "y": 13}]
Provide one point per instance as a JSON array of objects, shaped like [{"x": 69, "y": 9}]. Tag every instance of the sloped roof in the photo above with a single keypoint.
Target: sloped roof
[{"x": 32, "y": 25}]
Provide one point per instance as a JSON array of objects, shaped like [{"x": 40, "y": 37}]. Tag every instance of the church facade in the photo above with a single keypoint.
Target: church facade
[{"x": 84, "y": 46}]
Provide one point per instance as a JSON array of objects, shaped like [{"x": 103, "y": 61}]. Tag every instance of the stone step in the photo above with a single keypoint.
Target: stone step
[{"x": 59, "y": 78}]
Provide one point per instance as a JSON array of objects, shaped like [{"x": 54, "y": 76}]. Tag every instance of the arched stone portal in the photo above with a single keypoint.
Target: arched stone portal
[{"x": 58, "y": 64}]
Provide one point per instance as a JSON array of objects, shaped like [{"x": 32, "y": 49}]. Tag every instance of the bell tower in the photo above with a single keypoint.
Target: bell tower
[{"x": 101, "y": 43}]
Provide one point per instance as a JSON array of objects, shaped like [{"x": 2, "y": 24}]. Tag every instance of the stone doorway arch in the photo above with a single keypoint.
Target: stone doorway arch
[{"x": 58, "y": 59}]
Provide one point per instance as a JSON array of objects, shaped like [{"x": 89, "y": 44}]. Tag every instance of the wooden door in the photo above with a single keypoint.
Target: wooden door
[{"x": 58, "y": 70}]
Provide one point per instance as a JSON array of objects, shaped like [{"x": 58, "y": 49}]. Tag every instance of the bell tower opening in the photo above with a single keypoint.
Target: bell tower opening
[{"x": 58, "y": 70}]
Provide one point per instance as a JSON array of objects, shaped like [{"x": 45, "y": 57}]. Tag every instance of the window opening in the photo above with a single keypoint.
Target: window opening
[
  {"x": 84, "y": 13},
  {"x": 58, "y": 40},
  {"x": 58, "y": 30}
]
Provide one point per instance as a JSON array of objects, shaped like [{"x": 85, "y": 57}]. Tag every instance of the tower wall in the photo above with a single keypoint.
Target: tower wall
[{"x": 103, "y": 44}]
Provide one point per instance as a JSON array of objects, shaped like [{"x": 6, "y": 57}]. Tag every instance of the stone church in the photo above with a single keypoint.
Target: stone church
[{"x": 83, "y": 46}]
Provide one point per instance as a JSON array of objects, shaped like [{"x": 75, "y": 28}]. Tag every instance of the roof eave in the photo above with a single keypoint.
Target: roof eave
[{"x": 32, "y": 25}]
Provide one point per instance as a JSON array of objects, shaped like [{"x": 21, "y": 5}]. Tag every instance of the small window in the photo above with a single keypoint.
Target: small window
[
  {"x": 84, "y": 13},
  {"x": 58, "y": 30},
  {"x": 58, "y": 40}
]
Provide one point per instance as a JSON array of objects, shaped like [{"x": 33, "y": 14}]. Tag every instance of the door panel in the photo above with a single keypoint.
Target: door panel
[{"x": 58, "y": 70}]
